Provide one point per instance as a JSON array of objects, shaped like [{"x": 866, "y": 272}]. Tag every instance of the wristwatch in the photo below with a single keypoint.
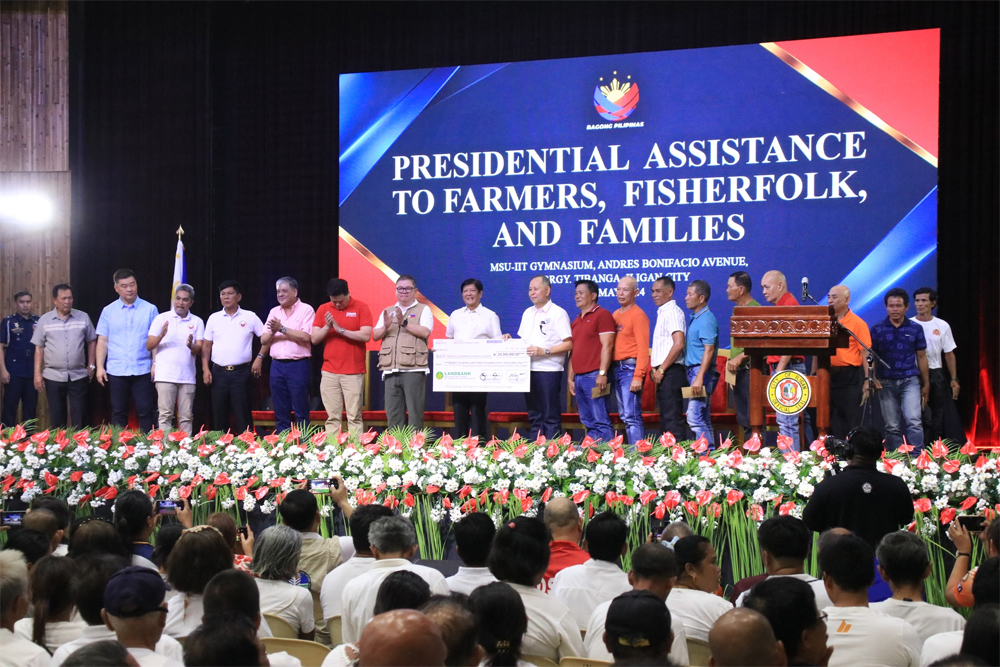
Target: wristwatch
[
  {"x": 546, "y": 352},
  {"x": 92, "y": 368},
  {"x": 602, "y": 372},
  {"x": 283, "y": 329}
]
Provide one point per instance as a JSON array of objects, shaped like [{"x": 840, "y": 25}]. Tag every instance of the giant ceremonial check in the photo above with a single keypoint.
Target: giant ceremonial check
[{"x": 481, "y": 365}]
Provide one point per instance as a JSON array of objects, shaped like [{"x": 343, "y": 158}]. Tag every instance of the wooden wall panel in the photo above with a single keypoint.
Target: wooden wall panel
[{"x": 34, "y": 80}]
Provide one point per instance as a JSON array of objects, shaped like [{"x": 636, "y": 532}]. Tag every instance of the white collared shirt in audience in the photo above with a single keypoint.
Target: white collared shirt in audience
[
  {"x": 61, "y": 550},
  {"x": 926, "y": 619},
  {"x": 147, "y": 658},
  {"x": 552, "y": 631},
  {"x": 469, "y": 579},
  {"x": 333, "y": 585},
  {"x": 184, "y": 612},
  {"x": 822, "y": 599},
  {"x": 57, "y": 633},
  {"x": 288, "y": 602},
  {"x": 583, "y": 587},
  {"x": 337, "y": 657},
  {"x": 167, "y": 645},
  {"x": 863, "y": 637},
  {"x": 594, "y": 641},
  {"x": 19, "y": 652},
  {"x": 283, "y": 659},
  {"x": 358, "y": 600},
  {"x": 696, "y": 610},
  {"x": 941, "y": 645}
]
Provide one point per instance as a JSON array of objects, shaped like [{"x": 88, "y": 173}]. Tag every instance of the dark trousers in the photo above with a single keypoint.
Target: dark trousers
[
  {"x": 58, "y": 394},
  {"x": 231, "y": 393},
  {"x": 140, "y": 388},
  {"x": 405, "y": 399},
  {"x": 668, "y": 396},
  {"x": 741, "y": 396},
  {"x": 937, "y": 403},
  {"x": 542, "y": 402},
  {"x": 290, "y": 392},
  {"x": 846, "y": 388},
  {"x": 470, "y": 413},
  {"x": 19, "y": 390}
]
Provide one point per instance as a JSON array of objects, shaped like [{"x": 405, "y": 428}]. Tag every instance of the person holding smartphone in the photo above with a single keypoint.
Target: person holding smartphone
[{"x": 958, "y": 590}]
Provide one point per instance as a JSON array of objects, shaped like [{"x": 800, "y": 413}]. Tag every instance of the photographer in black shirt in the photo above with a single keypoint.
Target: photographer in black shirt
[{"x": 867, "y": 502}]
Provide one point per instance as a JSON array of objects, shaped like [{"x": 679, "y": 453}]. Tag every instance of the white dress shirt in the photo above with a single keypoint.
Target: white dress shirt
[
  {"x": 594, "y": 641},
  {"x": 468, "y": 324},
  {"x": 57, "y": 633},
  {"x": 469, "y": 579},
  {"x": 167, "y": 646},
  {"x": 696, "y": 610},
  {"x": 331, "y": 593},
  {"x": 819, "y": 590},
  {"x": 863, "y": 637},
  {"x": 941, "y": 645},
  {"x": 19, "y": 652},
  {"x": 669, "y": 318},
  {"x": 358, "y": 599},
  {"x": 552, "y": 631},
  {"x": 174, "y": 361},
  {"x": 927, "y": 619},
  {"x": 583, "y": 587},
  {"x": 231, "y": 336},
  {"x": 288, "y": 602},
  {"x": 545, "y": 327}
]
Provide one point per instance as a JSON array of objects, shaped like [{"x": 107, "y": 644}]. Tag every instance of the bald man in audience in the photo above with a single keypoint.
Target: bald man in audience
[
  {"x": 401, "y": 638},
  {"x": 743, "y": 637},
  {"x": 775, "y": 289},
  {"x": 563, "y": 520},
  {"x": 848, "y": 370}
]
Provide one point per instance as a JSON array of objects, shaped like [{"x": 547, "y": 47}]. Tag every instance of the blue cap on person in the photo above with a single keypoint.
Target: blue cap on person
[{"x": 134, "y": 591}]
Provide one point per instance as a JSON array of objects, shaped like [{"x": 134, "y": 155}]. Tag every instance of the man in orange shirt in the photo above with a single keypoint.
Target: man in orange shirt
[
  {"x": 848, "y": 370},
  {"x": 631, "y": 358}
]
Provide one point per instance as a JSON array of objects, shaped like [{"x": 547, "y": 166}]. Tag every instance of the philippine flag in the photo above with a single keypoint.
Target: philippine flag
[{"x": 180, "y": 269}]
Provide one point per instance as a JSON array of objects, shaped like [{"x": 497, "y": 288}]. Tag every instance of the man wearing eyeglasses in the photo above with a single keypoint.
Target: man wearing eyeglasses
[{"x": 403, "y": 358}]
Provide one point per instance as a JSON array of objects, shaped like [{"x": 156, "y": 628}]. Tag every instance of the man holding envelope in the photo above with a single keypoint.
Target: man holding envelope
[{"x": 593, "y": 351}]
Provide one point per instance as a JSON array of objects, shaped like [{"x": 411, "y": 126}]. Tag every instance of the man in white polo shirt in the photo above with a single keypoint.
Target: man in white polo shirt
[
  {"x": 289, "y": 336},
  {"x": 225, "y": 358},
  {"x": 547, "y": 329},
  {"x": 175, "y": 339}
]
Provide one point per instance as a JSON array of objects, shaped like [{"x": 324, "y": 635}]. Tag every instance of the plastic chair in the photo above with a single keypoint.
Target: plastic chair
[
  {"x": 539, "y": 661},
  {"x": 310, "y": 654},
  {"x": 334, "y": 626},
  {"x": 280, "y": 627},
  {"x": 572, "y": 661},
  {"x": 698, "y": 652}
]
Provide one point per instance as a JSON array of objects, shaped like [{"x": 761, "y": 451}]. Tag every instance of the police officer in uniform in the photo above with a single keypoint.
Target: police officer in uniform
[{"x": 17, "y": 363}]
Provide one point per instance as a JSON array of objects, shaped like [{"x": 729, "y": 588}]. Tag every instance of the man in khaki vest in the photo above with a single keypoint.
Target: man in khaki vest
[{"x": 404, "y": 330}]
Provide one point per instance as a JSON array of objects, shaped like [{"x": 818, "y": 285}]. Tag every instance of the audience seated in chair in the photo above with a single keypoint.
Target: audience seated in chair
[
  {"x": 94, "y": 535},
  {"x": 53, "y": 599},
  {"x": 136, "y": 519},
  {"x": 985, "y": 591},
  {"x": 401, "y": 590},
  {"x": 784, "y": 546},
  {"x": 637, "y": 629},
  {"x": 520, "y": 557},
  {"x": 744, "y": 638},
  {"x": 859, "y": 635},
  {"x": 458, "y": 629},
  {"x": 393, "y": 543},
  {"x": 104, "y": 653},
  {"x": 134, "y": 609},
  {"x": 789, "y": 605},
  {"x": 501, "y": 622},
  {"x": 332, "y": 589},
  {"x": 275, "y": 562},
  {"x": 242, "y": 548},
  {"x": 17, "y": 651},
  {"x": 32, "y": 544},
  {"x": 473, "y": 537},
  {"x": 225, "y": 640},
  {"x": 562, "y": 518},
  {"x": 45, "y": 522},
  {"x": 692, "y": 600},
  {"x": 199, "y": 554},
  {"x": 64, "y": 517},
  {"x": 654, "y": 569},
  {"x": 600, "y": 579},
  {"x": 401, "y": 638}
]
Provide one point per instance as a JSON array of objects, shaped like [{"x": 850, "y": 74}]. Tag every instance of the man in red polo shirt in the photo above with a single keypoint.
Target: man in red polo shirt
[
  {"x": 565, "y": 524},
  {"x": 345, "y": 324},
  {"x": 776, "y": 292},
  {"x": 593, "y": 351}
]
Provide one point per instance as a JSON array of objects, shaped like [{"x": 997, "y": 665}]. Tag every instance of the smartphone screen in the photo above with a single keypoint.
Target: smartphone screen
[
  {"x": 13, "y": 518},
  {"x": 319, "y": 485},
  {"x": 167, "y": 506}
]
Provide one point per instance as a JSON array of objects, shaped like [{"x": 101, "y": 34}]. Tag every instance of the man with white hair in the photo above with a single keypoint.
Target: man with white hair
[
  {"x": 289, "y": 335},
  {"x": 175, "y": 339},
  {"x": 17, "y": 651},
  {"x": 775, "y": 288},
  {"x": 393, "y": 543}
]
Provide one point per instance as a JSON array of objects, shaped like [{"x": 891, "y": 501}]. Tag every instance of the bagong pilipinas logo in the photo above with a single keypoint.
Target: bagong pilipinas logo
[{"x": 617, "y": 100}]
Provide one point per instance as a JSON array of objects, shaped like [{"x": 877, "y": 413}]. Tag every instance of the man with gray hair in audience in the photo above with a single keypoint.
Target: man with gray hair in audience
[
  {"x": 175, "y": 339},
  {"x": 289, "y": 335},
  {"x": 17, "y": 651},
  {"x": 393, "y": 543}
]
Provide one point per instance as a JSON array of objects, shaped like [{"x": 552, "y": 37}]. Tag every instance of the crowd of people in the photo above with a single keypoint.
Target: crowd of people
[
  {"x": 150, "y": 359},
  {"x": 143, "y": 586}
]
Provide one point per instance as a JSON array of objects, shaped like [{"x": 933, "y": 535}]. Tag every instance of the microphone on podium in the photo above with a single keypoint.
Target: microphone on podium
[{"x": 805, "y": 289}]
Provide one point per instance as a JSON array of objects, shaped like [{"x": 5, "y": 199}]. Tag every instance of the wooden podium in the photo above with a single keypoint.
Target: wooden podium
[{"x": 780, "y": 330}]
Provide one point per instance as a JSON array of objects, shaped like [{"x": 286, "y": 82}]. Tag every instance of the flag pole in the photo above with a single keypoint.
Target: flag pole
[{"x": 179, "y": 232}]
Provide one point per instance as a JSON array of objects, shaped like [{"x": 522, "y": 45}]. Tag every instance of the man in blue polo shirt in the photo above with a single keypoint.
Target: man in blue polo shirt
[
  {"x": 699, "y": 356},
  {"x": 17, "y": 363},
  {"x": 901, "y": 393},
  {"x": 122, "y": 358}
]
